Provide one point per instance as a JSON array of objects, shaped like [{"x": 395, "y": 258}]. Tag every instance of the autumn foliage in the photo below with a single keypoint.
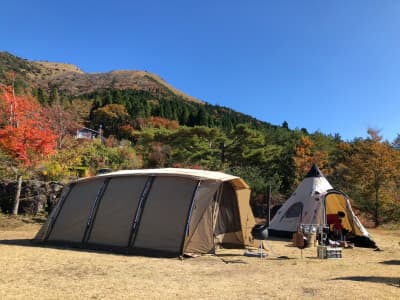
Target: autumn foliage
[
  {"x": 160, "y": 122},
  {"x": 306, "y": 154},
  {"x": 24, "y": 132},
  {"x": 373, "y": 171}
]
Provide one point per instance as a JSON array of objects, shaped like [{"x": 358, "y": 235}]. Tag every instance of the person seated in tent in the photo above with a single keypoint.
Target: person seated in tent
[{"x": 334, "y": 221}]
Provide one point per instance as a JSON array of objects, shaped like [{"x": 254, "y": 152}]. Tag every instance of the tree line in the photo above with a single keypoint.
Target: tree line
[{"x": 141, "y": 130}]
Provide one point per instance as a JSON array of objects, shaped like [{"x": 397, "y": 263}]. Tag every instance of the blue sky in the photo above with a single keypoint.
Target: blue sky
[{"x": 331, "y": 66}]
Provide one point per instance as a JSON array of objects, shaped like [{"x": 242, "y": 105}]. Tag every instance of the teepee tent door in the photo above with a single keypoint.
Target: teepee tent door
[{"x": 337, "y": 201}]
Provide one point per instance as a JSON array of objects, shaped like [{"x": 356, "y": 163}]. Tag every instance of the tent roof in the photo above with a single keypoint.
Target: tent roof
[
  {"x": 198, "y": 174},
  {"x": 314, "y": 172}
]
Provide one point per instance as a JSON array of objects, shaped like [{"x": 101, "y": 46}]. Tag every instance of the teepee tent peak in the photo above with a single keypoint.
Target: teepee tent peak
[{"x": 315, "y": 172}]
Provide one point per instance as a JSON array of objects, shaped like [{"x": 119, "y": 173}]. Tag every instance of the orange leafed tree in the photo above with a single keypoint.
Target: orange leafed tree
[
  {"x": 159, "y": 122},
  {"x": 306, "y": 155},
  {"x": 373, "y": 169},
  {"x": 24, "y": 130}
]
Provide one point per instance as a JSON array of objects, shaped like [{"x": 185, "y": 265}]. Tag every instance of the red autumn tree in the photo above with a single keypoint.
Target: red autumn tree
[
  {"x": 24, "y": 132},
  {"x": 24, "y": 135}
]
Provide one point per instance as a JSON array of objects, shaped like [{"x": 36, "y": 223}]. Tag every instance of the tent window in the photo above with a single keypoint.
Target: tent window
[{"x": 294, "y": 211}]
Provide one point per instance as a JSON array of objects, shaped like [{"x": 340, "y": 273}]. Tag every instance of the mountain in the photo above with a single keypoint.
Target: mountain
[
  {"x": 142, "y": 93},
  {"x": 72, "y": 81}
]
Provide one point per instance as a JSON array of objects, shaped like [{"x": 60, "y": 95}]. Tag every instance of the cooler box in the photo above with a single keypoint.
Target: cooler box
[{"x": 325, "y": 252}]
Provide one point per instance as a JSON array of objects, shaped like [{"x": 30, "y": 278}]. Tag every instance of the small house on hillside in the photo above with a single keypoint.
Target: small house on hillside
[{"x": 88, "y": 134}]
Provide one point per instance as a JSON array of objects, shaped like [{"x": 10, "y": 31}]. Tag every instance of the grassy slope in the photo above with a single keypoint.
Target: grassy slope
[
  {"x": 70, "y": 78},
  {"x": 48, "y": 273},
  {"x": 173, "y": 89}
]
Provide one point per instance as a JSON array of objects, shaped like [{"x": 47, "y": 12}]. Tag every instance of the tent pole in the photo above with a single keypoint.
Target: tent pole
[
  {"x": 139, "y": 210},
  {"x": 215, "y": 212},
  {"x": 189, "y": 216},
  {"x": 93, "y": 211},
  {"x": 59, "y": 206},
  {"x": 268, "y": 200}
]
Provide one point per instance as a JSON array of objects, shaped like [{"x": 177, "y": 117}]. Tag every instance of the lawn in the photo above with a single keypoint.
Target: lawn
[{"x": 33, "y": 272}]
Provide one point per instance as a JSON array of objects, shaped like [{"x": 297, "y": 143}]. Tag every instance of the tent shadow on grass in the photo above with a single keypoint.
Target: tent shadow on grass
[
  {"x": 392, "y": 262},
  {"x": 392, "y": 281},
  {"x": 225, "y": 257},
  {"x": 31, "y": 243},
  {"x": 19, "y": 242}
]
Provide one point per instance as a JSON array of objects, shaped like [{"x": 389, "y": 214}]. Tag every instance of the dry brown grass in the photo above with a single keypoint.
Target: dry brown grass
[{"x": 31, "y": 272}]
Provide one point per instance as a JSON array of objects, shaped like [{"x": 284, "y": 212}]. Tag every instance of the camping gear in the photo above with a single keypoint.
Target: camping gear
[
  {"x": 168, "y": 212},
  {"x": 325, "y": 252},
  {"x": 260, "y": 231},
  {"x": 312, "y": 201},
  {"x": 310, "y": 232}
]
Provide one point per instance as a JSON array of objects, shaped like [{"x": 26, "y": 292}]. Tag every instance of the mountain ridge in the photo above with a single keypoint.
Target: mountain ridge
[{"x": 73, "y": 81}]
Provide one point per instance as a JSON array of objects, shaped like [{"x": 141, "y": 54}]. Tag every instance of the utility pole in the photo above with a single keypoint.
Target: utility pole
[{"x": 101, "y": 133}]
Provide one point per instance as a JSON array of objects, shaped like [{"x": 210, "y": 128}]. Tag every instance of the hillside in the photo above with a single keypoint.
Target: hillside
[
  {"x": 143, "y": 94},
  {"x": 72, "y": 81},
  {"x": 149, "y": 124}
]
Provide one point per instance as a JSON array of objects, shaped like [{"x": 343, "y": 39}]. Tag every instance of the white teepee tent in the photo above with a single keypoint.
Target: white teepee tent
[{"x": 311, "y": 203}]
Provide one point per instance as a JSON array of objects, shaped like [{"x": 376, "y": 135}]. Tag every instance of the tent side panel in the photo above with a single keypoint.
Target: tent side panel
[
  {"x": 71, "y": 222},
  {"x": 199, "y": 239},
  {"x": 301, "y": 207},
  {"x": 163, "y": 221},
  {"x": 116, "y": 211},
  {"x": 47, "y": 226},
  {"x": 246, "y": 215}
]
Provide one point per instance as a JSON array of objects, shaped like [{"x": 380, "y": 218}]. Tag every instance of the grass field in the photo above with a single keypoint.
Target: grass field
[{"x": 32, "y": 272}]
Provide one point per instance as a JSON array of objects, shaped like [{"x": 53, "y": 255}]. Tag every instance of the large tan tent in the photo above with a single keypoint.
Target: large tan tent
[{"x": 157, "y": 211}]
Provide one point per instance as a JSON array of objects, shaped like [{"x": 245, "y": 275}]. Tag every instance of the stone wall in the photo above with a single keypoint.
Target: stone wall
[{"x": 36, "y": 196}]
